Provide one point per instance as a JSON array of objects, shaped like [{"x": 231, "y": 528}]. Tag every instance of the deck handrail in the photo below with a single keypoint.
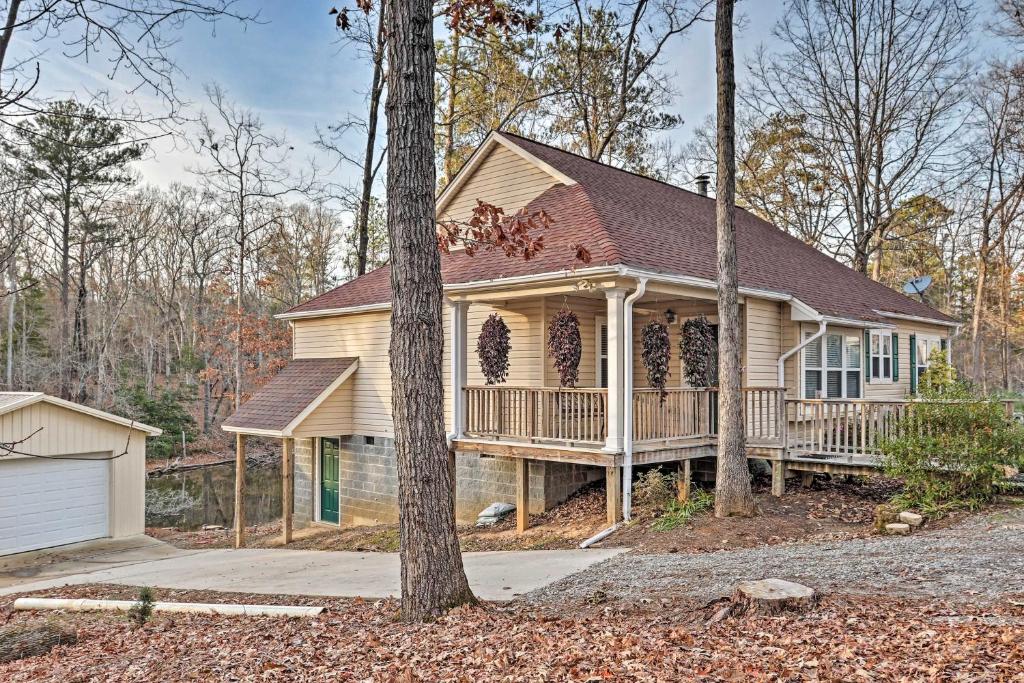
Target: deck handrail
[{"x": 560, "y": 414}]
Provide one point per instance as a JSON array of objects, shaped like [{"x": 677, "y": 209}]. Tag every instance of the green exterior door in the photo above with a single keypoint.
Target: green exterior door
[{"x": 329, "y": 480}]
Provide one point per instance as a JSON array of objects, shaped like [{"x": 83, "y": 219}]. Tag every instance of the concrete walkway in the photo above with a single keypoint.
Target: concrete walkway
[{"x": 492, "y": 575}]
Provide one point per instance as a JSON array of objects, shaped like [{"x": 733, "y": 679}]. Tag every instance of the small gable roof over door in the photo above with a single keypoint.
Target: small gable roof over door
[{"x": 286, "y": 401}]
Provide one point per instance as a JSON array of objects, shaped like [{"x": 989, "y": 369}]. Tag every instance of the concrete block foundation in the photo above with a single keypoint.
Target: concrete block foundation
[{"x": 368, "y": 486}]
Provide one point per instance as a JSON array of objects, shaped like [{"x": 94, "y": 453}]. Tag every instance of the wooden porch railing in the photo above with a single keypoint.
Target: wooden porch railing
[
  {"x": 537, "y": 414},
  {"x": 683, "y": 414},
  {"x": 693, "y": 414},
  {"x": 841, "y": 426},
  {"x": 845, "y": 426}
]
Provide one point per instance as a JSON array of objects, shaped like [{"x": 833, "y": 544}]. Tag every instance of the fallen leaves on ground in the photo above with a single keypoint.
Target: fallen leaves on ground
[{"x": 844, "y": 638}]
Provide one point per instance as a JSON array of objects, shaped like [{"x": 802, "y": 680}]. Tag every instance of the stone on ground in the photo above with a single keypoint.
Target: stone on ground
[
  {"x": 911, "y": 518},
  {"x": 897, "y": 528},
  {"x": 771, "y": 596},
  {"x": 494, "y": 513}
]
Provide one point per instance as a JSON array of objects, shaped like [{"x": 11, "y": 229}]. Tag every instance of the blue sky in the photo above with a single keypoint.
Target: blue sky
[{"x": 290, "y": 69}]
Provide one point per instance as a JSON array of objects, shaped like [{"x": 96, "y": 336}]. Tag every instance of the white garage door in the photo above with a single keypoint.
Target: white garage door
[{"x": 45, "y": 503}]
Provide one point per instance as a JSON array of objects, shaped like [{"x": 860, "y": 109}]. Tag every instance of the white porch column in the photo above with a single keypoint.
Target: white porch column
[
  {"x": 458, "y": 370},
  {"x": 616, "y": 369}
]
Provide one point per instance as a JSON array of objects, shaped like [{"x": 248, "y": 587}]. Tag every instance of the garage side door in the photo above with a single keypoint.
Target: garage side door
[{"x": 44, "y": 503}]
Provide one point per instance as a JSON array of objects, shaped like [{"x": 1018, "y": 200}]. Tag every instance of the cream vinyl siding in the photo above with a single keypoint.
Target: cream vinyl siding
[
  {"x": 897, "y": 390},
  {"x": 504, "y": 179},
  {"x": 901, "y": 388},
  {"x": 365, "y": 336},
  {"x": 69, "y": 432},
  {"x": 763, "y": 342},
  {"x": 333, "y": 417}
]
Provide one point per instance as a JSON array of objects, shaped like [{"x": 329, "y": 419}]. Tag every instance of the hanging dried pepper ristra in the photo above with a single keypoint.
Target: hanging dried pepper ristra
[
  {"x": 656, "y": 352},
  {"x": 565, "y": 346},
  {"x": 492, "y": 349}
]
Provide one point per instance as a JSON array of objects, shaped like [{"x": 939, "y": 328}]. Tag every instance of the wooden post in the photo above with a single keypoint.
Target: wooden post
[
  {"x": 778, "y": 478},
  {"x": 288, "y": 484},
  {"x": 683, "y": 482},
  {"x": 522, "y": 494},
  {"x": 239, "y": 490},
  {"x": 613, "y": 489}
]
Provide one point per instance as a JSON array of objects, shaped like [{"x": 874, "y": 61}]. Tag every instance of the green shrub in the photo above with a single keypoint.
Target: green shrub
[
  {"x": 677, "y": 514},
  {"x": 952, "y": 447},
  {"x": 142, "y": 611}
]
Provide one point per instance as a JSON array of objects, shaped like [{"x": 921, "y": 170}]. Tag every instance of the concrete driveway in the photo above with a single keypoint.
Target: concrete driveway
[{"x": 492, "y": 575}]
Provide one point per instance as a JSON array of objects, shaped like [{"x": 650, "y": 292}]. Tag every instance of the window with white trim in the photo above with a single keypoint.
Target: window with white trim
[
  {"x": 923, "y": 353},
  {"x": 881, "y": 356},
  {"x": 832, "y": 366}
]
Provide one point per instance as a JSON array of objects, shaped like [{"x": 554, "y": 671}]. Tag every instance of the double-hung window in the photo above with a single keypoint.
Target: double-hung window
[
  {"x": 925, "y": 347},
  {"x": 832, "y": 366},
  {"x": 881, "y": 356}
]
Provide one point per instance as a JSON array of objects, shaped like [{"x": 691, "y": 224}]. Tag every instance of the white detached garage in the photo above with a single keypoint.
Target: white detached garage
[{"x": 68, "y": 473}]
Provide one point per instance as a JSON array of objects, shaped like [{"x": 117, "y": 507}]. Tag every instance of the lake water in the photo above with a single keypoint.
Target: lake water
[{"x": 188, "y": 500}]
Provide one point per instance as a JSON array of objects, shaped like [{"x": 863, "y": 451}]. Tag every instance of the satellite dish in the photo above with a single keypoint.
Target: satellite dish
[{"x": 918, "y": 285}]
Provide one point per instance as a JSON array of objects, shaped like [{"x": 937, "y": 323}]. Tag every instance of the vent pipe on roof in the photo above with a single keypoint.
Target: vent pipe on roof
[{"x": 703, "y": 180}]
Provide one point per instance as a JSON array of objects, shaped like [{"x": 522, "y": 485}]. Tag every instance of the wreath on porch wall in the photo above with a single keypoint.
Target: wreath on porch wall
[
  {"x": 492, "y": 348},
  {"x": 699, "y": 351},
  {"x": 656, "y": 352},
  {"x": 565, "y": 346}
]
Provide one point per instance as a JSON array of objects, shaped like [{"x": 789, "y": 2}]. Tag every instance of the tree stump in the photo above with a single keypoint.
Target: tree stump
[{"x": 771, "y": 596}]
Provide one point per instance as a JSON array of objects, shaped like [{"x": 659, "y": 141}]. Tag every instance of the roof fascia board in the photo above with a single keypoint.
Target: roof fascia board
[
  {"x": 99, "y": 414},
  {"x": 28, "y": 399},
  {"x": 253, "y": 432},
  {"x": 543, "y": 165},
  {"x": 919, "y": 319},
  {"x": 494, "y": 139},
  {"x": 315, "y": 403},
  {"x": 853, "y": 322},
  {"x": 328, "y": 312}
]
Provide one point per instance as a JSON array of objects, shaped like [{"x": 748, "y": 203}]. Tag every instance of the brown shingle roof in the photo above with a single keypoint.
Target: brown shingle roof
[
  {"x": 283, "y": 398},
  {"x": 627, "y": 219}
]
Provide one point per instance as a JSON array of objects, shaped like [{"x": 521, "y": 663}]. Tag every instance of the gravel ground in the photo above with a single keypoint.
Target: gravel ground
[{"x": 979, "y": 560}]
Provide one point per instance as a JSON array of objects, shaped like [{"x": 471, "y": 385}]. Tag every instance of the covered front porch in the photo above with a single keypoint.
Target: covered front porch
[{"x": 613, "y": 418}]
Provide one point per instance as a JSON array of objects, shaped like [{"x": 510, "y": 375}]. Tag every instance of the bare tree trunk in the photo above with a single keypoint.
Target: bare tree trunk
[
  {"x": 11, "y": 301},
  {"x": 733, "y": 496},
  {"x": 369, "y": 172},
  {"x": 240, "y": 284},
  {"x": 449, "y": 124},
  {"x": 979, "y": 309},
  {"x": 433, "y": 578},
  {"x": 65, "y": 298}
]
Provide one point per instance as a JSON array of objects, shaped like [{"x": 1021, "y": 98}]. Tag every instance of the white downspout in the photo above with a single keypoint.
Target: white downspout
[
  {"x": 627, "y": 403},
  {"x": 627, "y": 415},
  {"x": 782, "y": 359}
]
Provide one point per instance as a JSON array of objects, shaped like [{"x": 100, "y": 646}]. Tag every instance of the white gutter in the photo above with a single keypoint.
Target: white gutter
[
  {"x": 919, "y": 319},
  {"x": 84, "y": 605},
  {"x": 627, "y": 428},
  {"x": 822, "y": 324}
]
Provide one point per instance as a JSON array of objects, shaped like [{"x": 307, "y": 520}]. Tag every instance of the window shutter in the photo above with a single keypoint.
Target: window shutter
[
  {"x": 895, "y": 357},
  {"x": 913, "y": 364},
  {"x": 867, "y": 356}
]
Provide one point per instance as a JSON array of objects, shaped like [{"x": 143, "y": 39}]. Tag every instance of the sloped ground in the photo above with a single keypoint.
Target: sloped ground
[
  {"x": 979, "y": 559},
  {"x": 862, "y": 639},
  {"x": 830, "y": 510}
]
